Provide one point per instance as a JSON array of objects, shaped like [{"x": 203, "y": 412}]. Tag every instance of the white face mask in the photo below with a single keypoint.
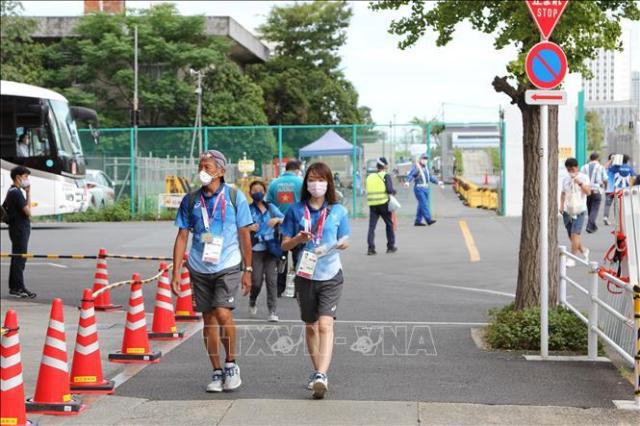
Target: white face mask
[
  {"x": 317, "y": 188},
  {"x": 573, "y": 174},
  {"x": 25, "y": 183},
  {"x": 205, "y": 178}
]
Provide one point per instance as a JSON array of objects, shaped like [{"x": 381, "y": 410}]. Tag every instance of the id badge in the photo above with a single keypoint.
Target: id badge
[
  {"x": 206, "y": 237},
  {"x": 307, "y": 265},
  {"x": 213, "y": 250}
]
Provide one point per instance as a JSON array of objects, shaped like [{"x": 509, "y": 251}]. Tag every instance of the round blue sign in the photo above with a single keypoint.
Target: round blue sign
[
  {"x": 49, "y": 163},
  {"x": 546, "y": 65}
]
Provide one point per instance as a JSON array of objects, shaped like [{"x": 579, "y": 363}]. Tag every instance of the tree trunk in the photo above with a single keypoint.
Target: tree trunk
[{"x": 528, "y": 289}]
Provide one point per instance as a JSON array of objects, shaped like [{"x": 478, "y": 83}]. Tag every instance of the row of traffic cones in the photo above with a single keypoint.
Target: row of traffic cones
[{"x": 55, "y": 385}]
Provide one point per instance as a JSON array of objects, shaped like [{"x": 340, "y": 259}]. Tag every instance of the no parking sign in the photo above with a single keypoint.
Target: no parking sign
[{"x": 546, "y": 65}]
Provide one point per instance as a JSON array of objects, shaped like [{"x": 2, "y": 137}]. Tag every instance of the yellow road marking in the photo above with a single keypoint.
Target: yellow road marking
[{"x": 474, "y": 255}]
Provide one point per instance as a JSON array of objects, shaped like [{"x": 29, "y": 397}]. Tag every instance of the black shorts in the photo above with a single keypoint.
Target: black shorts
[
  {"x": 217, "y": 290},
  {"x": 317, "y": 298}
]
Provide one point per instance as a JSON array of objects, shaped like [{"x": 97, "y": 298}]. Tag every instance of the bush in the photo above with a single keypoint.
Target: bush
[
  {"x": 117, "y": 212},
  {"x": 520, "y": 330}
]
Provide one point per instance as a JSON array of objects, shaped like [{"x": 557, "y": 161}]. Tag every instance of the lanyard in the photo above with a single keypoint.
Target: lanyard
[
  {"x": 205, "y": 214},
  {"x": 317, "y": 236}
]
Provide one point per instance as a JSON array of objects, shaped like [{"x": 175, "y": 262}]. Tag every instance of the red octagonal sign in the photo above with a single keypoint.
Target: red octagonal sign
[{"x": 546, "y": 65}]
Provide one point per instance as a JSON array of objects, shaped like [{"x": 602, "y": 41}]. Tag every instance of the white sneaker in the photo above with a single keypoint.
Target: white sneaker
[
  {"x": 320, "y": 385},
  {"x": 231, "y": 376},
  {"x": 586, "y": 253},
  {"x": 273, "y": 317},
  {"x": 253, "y": 311},
  {"x": 571, "y": 263},
  {"x": 606, "y": 220},
  {"x": 216, "y": 382},
  {"x": 311, "y": 379}
]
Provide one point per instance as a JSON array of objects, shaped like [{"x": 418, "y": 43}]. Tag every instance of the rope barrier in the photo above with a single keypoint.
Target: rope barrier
[
  {"x": 129, "y": 282},
  {"x": 82, "y": 256}
]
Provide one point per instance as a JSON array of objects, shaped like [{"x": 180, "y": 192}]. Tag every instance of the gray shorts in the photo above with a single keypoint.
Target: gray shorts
[
  {"x": 317, "y": 298},
  {"x": 217, "y": 290}
]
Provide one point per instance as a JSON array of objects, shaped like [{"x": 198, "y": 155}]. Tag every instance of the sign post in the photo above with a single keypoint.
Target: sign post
[{"x": 546, "y": 66}]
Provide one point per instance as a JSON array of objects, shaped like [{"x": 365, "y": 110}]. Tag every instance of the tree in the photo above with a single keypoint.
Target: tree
[
  {"x": 303, "y": 82},
  {"x": 96, "y": 69},
  {"x": 585, "y": 27},
  {"x": 19, "y": 55},
  {"x": 595, "y": 131}
]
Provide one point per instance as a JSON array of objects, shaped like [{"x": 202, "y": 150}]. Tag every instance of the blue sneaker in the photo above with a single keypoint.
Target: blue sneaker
[
  {"x": 217, "y": 381},
  {"x": 320, "y": 385}
]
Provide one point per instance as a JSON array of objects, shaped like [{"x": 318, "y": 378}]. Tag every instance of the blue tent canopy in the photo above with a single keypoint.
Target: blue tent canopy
[{"x": 329, "y": 144}]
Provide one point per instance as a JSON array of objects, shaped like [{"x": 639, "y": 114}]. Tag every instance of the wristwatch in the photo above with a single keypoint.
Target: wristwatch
[{"x": 248, "y": 269}]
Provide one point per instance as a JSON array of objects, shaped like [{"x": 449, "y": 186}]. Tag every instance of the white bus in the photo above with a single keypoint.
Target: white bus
[{"x": 53, "y": 154}]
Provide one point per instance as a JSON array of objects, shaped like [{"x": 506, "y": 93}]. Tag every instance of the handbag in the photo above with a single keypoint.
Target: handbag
[
  {"x": 394, "y": 204},
  {"x": 274, "y": 245}
]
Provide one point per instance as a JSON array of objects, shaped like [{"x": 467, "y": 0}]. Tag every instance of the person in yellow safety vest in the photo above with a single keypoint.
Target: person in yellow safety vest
[{"x": 379, "y": 186}]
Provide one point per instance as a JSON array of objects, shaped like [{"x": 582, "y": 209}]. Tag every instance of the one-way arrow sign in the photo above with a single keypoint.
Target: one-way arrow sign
[
  {"x": 546, "y": 13},
  {"x": 545, "y": 97}
]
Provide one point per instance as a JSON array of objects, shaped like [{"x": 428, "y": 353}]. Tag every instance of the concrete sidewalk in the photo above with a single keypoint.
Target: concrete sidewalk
[{"x": 114, "y": 410}]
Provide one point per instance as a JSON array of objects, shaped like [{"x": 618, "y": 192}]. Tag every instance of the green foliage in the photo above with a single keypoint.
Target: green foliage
[
  {"x": 459, "y": 165},
  {"x": 303, "y": 83},
  {"x": 494, "y": 153},
  {"x": 96, "y": 70},
  {"x": 117, "y": 212},
  {"x": 585, "y": 26},
  {"x": 595, "y": 131},
  {"x": 513, "y": 329},
  {"x": 19, "y": 55}
]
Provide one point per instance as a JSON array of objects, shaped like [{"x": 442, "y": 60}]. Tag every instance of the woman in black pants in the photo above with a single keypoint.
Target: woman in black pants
[{"x": 266, "y": 217}]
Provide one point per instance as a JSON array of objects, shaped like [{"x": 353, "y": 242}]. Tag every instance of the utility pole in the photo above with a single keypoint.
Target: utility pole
[
  {"x": 197, "y": 126},
  {"x": 134, "y": 119}
]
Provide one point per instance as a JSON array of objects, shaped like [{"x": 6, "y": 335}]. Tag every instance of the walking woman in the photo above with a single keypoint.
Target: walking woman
[
  {"x": 266, "y": 250},
  {"x": 321, "y": 227}
]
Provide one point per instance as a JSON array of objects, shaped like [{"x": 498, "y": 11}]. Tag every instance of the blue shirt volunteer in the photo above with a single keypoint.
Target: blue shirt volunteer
[
  {"x": 264, "y": 232},
  {"x": 285, "y": 191},
  {"x": 336, "y": 226},
  {"x": 237, "y": 216}
]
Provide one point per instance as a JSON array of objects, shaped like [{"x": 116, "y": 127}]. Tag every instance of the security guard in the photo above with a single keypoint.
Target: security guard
[
  {"x": 379, "y": 186},
  {"x": 419, "y": 174}
]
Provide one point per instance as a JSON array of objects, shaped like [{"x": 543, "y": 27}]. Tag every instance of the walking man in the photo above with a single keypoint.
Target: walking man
[
  {"x": 218, "y": 216},
  {"x": 18, "y": 209},
  {"x": 379, "y": 187},
  {"x": 597, "y": 179},
  {"x": 419, "y": 174},
  {"x": 573, "y": 206}
]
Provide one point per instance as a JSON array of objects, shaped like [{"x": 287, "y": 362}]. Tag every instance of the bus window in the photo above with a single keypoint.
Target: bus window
[
  {"x": 32, "y": 142},
  {"x": 64, "y": 129}
]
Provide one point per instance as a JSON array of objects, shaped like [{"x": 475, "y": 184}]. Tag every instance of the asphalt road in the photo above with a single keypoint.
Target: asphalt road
[{"x": 404, "y": 319}]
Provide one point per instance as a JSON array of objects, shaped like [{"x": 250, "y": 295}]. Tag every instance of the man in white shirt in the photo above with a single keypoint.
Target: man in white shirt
[
  {"x": 573, "y": 206},
  {"x": 597, "y": 180}
]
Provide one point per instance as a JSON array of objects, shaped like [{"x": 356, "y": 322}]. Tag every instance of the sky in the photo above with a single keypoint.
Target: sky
[{"x": 452, "y": 82}]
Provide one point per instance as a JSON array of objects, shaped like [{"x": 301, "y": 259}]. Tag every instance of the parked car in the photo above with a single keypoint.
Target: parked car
[{"x": 100, "y": 187}]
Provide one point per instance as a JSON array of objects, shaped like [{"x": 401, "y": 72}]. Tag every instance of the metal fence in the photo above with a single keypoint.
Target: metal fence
[{"x": 139, "y": 169}]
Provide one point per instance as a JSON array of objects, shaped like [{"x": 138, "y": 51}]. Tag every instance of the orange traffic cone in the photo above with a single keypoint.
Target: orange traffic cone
[
  {"x": 86, "y": 369},
  {"x": 101, "y": 279},
  {"x": 184, "y": 304},
  {"x": 53, "y": 395},
  {"x": 12, "y": 408},
  {"x": 135, "y": 343},
  {"x": 164, "y": 323}
]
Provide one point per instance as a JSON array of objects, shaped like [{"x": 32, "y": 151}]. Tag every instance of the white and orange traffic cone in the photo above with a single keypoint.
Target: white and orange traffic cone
[
  {"x": 164, "y": 322},
  {"x": 135, "y": 343},
  {"x": 86, "y": 369},
  {"x": 184, "y": 303},
  {"x": 12, "y": 408},
  {"x": 53, "y": 395},
  {"x": 100, "y": 280}
]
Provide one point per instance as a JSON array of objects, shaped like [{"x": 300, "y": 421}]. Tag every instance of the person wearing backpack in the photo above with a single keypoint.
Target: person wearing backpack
[
  {"x": 573, "y": 206},
  {"x": 597, "y": 179},
  {"x": 17, "y": 208},
  {"x": 266, "y": 249},
  {"x": 218, "y": 216}
]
